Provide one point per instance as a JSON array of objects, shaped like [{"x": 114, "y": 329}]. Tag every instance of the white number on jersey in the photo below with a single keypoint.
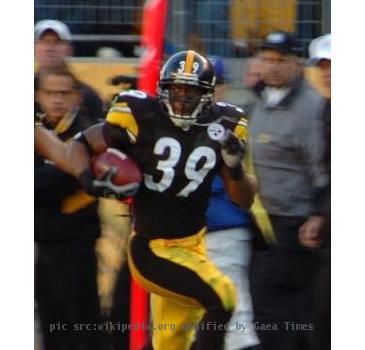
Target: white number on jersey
[
  {"x": 195, "y": 176},
  {"x": 166, "y": 166},
  {"x": 133, "y": 93}
]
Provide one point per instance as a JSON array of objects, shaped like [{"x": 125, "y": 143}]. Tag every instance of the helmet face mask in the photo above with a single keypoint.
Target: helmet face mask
[
  {"x": 186, "y": 87},
  {"x": 184, "y": 103}
]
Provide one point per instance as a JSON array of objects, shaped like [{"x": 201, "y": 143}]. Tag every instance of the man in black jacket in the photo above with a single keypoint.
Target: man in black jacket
[{"x": 66, "y": 227}]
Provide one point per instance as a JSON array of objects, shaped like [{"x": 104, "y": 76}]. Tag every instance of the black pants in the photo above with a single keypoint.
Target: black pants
[
  {"x": 322, "y": 302},
  {"x": 120, "y": 313},
  {"x": 282, "y": 282},
  {"x": 66, "y": 295}
]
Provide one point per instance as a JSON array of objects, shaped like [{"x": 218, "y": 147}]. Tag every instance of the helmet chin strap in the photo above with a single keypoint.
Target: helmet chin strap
[{"x": 183, "y": 121}]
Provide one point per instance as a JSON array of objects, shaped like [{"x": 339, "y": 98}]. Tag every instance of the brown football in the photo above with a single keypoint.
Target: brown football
[{"x": 127, "y": 169}]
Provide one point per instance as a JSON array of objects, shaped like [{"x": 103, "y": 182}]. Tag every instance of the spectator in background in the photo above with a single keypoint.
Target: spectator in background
[
  {"x": 66, "y": 226},
  {"x": 252, "y": 81},
  {"x": 123, "y": 83},
  {"x": 52, "y": 47},
  {"x": 286, "y": 143},
  {"x": 229, "y": 246},
  {"x": 253, "y": 72},
  {"x": 113, "y": 274},
  {"x": 221, "y": 78},
  {"x": 47, "y": 145},
  {"x": 320, "y": 56},
  {"x": 317, "y": 232}
]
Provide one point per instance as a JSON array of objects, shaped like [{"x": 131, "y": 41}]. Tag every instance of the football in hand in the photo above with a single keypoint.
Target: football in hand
[{"x": 127, "y": 170}]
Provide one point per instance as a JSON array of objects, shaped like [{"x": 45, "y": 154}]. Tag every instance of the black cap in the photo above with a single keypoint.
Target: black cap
[
  {"x": 283, "y": 42},
  {"x": 124, "y": 79}
]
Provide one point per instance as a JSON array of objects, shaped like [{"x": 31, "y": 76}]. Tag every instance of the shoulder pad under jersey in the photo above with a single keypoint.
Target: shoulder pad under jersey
[
  {"x": 228, "y": 109},
  {"x": 232, "y": 117},
  {"x": 128, "y": 110}
]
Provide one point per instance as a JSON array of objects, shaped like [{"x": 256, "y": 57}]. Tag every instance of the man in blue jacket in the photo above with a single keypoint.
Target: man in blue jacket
[{"x": 229, "y": 246}]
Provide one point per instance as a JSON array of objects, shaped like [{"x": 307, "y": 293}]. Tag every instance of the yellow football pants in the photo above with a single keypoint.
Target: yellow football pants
[{"x": 184, "y": 284}]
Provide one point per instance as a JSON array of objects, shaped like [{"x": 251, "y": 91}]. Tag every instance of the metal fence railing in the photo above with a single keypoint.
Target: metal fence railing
[
  {"x": 229, "y": 28},
  {"x": 234, "y": 28},
  {"x": 95, "y": 23},
  {"x": 92, "y": 16}
]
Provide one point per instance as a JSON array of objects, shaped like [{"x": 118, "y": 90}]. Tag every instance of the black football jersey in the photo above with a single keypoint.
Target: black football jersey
[{"x": 178, "y": 166}]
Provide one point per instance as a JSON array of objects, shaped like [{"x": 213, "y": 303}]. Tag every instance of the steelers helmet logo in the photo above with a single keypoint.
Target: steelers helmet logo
[{"x": 216, "y": 131}]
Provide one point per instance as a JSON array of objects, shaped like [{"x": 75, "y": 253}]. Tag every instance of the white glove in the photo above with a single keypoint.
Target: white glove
[
  {"x": 232, "y": 150},
  {"x": 104, "y": 187}
]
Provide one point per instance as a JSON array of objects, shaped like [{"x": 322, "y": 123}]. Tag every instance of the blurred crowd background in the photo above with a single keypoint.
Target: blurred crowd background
[{"x": 110, "y": 31}]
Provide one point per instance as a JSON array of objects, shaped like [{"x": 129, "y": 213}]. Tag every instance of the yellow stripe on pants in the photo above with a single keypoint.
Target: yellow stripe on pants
[{"x": 176, "y": 316}]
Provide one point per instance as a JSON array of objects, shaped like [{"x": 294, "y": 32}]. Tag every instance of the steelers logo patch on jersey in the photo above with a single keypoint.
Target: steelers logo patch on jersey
[{"x": 216, "y": 131}]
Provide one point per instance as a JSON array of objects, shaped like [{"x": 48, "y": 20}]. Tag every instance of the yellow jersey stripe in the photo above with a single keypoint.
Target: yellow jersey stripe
[
  {"x": 120, "y": 104},
  {"x": 76, "y": 202},
  {"x": 124, "y": 120},
  {"x": 258, "y": 209},
  {"x": 241, "y": 130},
  {"x": 64, "y": 124},
  {"x": 243, "y": 122},
  {"x": 120, "y": 109},
  {"x": 189, "y": 61},
  {"x": 263, "y": 220}
]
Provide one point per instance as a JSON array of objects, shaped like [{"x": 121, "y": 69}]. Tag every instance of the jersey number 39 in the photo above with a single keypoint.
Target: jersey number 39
[{"x": 196, "y": 176}]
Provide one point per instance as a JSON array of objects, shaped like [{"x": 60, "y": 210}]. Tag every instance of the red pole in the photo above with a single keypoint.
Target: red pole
[
  {"x": 153, "y": 29},
  {"x": 138, "y": 336}
]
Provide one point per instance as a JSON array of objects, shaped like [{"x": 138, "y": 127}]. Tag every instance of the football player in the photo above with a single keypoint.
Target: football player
[{"x": 180, "y": 139}]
